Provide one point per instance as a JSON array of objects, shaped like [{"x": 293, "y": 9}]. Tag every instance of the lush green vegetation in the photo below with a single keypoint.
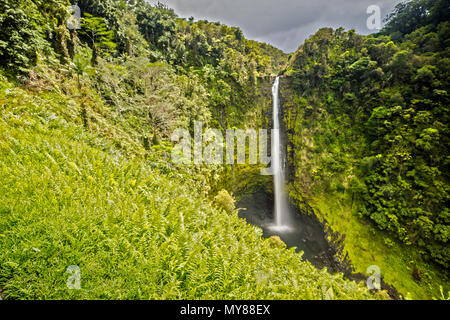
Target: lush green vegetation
[
  {"x": 137, "y": 228},
  {"x": 368, "y": 123},
  {"x": 86, "y": 177}
]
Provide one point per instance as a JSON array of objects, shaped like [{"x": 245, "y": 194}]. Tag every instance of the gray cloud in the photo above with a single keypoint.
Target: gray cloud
[{"x": 282, "y": 23}]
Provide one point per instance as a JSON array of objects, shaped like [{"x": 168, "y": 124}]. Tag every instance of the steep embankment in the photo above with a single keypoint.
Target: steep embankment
[
  {"x": 137, "y": 228},
  {"x": 89, "y": 198},
  {"x": 367, "y": 120}
]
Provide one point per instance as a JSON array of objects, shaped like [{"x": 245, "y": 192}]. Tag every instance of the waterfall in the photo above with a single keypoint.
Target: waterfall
[{"x": 281, "y": 200}]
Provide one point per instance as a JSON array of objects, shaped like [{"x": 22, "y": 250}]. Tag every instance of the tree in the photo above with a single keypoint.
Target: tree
[
  {"x": 95, "y": 29},
  {"x": 407, "y": 17},
  {"x": 80, "y": 66}
]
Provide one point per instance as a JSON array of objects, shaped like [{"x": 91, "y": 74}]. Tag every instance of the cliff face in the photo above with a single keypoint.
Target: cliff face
[
  {"x": 264, "y": 100},
  {"x": 358, "y": 112},
  {"x": 289, "y": 114}
]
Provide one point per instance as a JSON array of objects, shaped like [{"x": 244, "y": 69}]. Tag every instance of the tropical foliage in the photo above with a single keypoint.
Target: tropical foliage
[
  {"x": 86, "y": 176},
  {"x": 371, "y": 120},
  {"x": 86, "y": 117}
]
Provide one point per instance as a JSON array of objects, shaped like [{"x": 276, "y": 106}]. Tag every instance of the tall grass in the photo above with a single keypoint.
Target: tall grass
[{"x": 136, "y": 230}]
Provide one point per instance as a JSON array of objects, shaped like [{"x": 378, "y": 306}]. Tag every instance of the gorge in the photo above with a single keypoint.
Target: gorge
[{"x": 360, "y": 157}]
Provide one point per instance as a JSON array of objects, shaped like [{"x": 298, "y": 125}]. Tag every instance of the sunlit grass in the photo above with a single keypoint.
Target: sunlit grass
[{"x": 136, "y": 228}]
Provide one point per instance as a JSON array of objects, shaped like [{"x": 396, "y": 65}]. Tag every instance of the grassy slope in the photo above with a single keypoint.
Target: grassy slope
[
  {"x": 366, "y": 246},
  {"x": 137, "y": 229}
]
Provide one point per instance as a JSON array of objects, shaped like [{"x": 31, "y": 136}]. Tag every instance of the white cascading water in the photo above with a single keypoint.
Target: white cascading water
[{"x": 281, "y": 201}]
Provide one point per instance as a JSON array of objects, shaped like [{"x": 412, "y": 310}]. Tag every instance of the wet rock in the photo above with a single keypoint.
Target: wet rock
[{"x": 417, "y": 275}]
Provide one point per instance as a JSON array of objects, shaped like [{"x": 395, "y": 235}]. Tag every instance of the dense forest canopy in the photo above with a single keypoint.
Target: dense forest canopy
[
  {"x": 413, "y": 16},
  {"x": 378, "y": 111}
]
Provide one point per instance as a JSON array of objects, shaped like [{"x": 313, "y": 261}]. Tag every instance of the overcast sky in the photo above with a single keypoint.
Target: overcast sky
[{"x": 282, "y": 23}]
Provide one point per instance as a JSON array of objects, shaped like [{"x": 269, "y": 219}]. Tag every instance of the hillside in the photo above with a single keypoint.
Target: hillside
[
  {"x": 368, "y": 124},
  {"x": 87, "y": 182}
]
